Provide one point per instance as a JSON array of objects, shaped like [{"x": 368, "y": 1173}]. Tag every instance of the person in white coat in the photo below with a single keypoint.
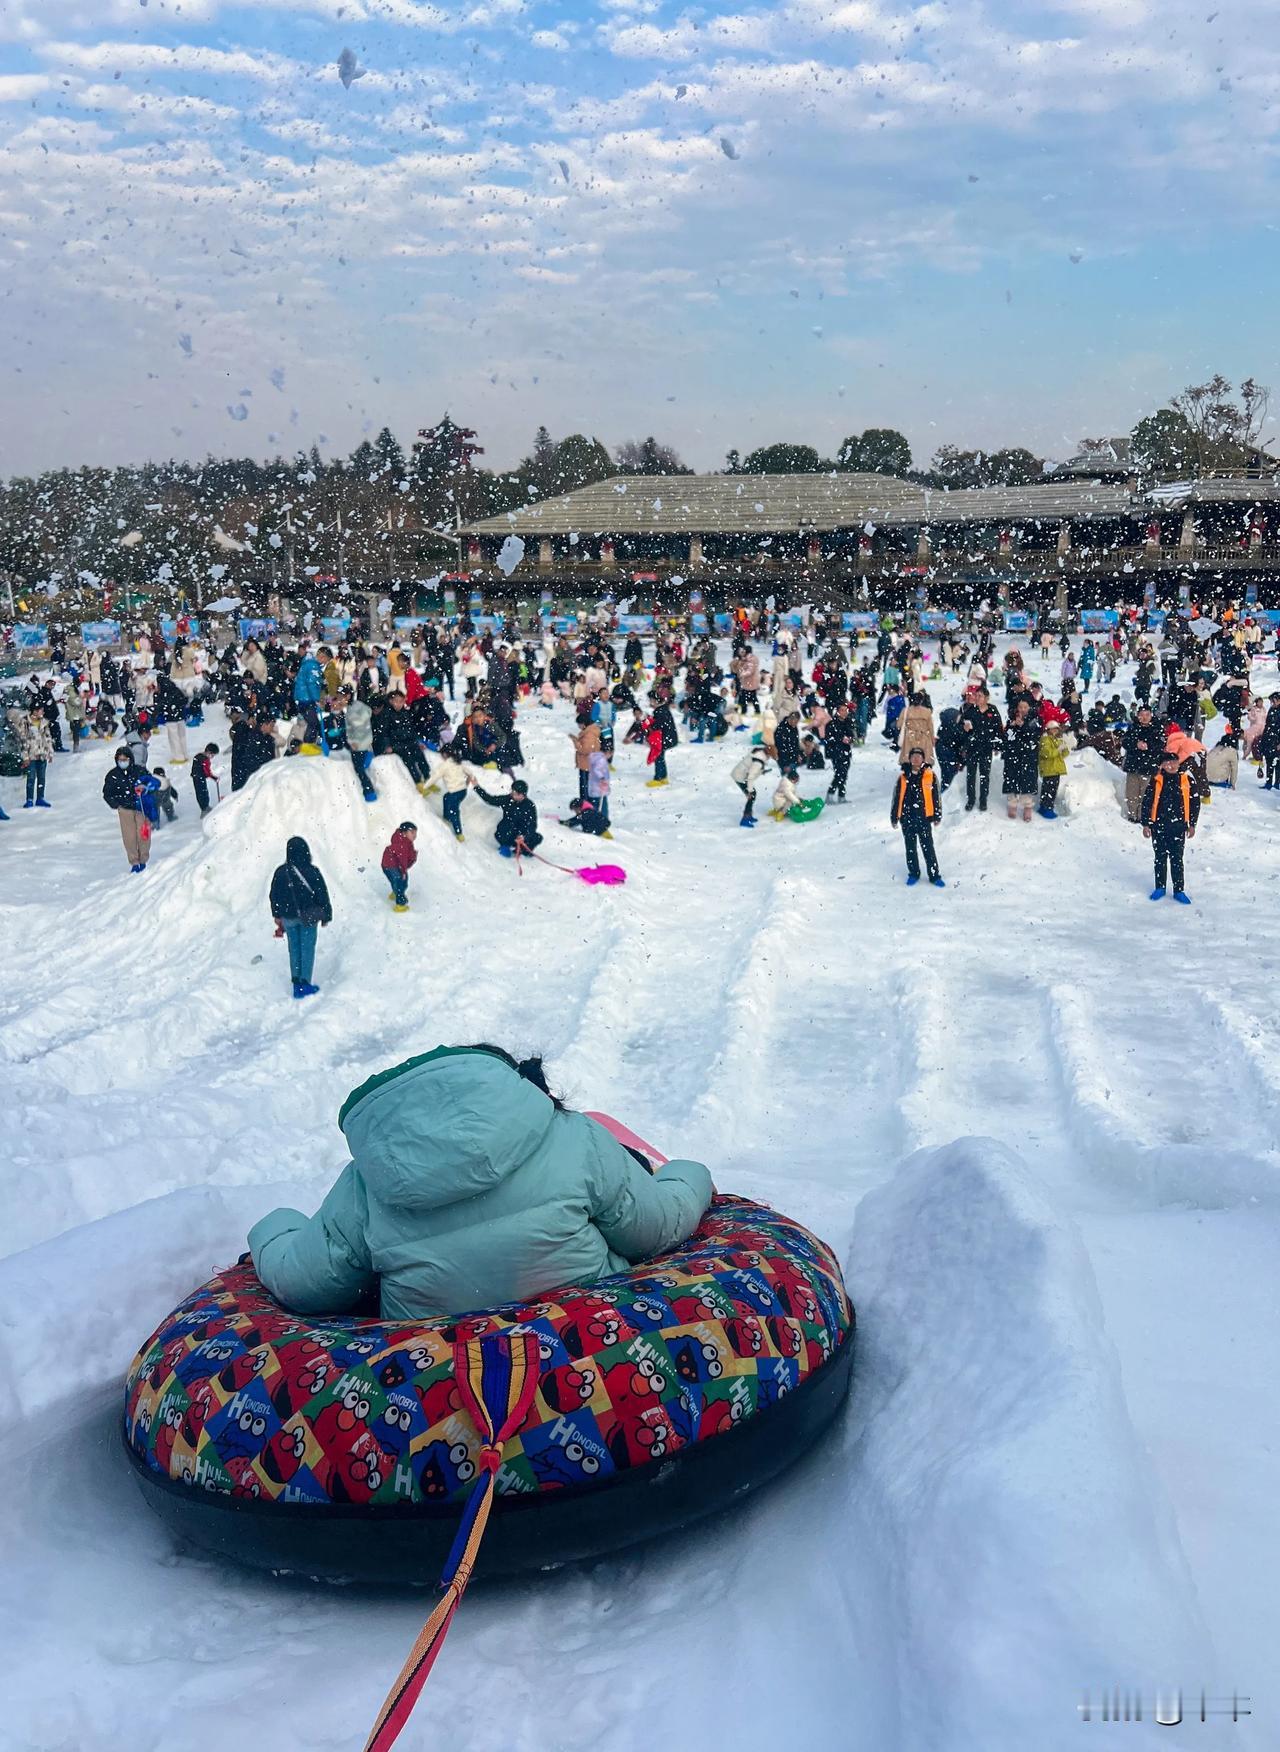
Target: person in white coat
[{"x": 747, "y": 775}]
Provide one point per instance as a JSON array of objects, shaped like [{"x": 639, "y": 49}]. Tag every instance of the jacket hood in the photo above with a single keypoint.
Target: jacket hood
[
  {"x": 443, "y": 1127},
  {"x": 297, "y": 851}
]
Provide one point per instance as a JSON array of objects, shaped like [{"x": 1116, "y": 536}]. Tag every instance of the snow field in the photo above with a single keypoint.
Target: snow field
[{"x": 1035, "y": 1112}]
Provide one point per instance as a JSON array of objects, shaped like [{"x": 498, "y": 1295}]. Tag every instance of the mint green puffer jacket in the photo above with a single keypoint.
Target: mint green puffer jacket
[{"x": 467, "y": 1189}]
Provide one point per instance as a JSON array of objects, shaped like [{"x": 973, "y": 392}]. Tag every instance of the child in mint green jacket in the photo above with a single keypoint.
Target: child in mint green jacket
[{"x": 471, "y": 1186}]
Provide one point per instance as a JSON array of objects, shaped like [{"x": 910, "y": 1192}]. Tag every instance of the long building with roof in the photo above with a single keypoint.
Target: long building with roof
[{"x": 849, "y": 534}]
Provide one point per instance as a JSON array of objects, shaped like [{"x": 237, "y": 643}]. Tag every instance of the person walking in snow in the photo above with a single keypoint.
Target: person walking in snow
[
  {"x": 308, "y": 690},
  {"x": 1142, "y": 745},
  {"x": 203, "y": 775},
  {"x": 1268, "y": 745},
  {"x": 917, "y": 729},
  {"x": 838, "y": 740},
  {"x": 452, "y": 776},
  {"x": 397, "y": 860},
  {"x": 915, "y": 807},
  {"x": 1170, "y": 811},
  {"x": 35, "y": 741},
  {"x": 123, "y": 790},
  {"x": 1022, "y": 761},
  {"x": 983, "y": 733},
  {"x": 1052, "y": 768},
  {"x": 299, "y": 903}
]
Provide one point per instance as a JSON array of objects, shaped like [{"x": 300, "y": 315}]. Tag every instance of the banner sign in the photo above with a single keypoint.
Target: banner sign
[
  {"x": 1156, "y": 618},
  {"x": 1098, "y": 620},
  {"x": 335, "y": 625},
  {"x": 935, "y": 620},
  {"x": 859, "y": 623},
  {"x": 31, "y": 637},
  {"x": 1184, "y": 594},
  {"x": 723, "y": 623},
  {"x": 1270, "y": 615},
  {"x": 1017, "y": 620},
  {"x": 793, "y": 618},
  {"x": 698, "y": 622},
  {"x": 636, "y": 623},
  {"x": 487, "y": 623},
  {"x": 564, "y": 623},
  {"x": 1251, "y": 594},
  {"x": 96, "y": 634},
  {"x": 186, "y": 627},
  {"x": 405, "y": 623},
  {"x": 256, "y": 629}
]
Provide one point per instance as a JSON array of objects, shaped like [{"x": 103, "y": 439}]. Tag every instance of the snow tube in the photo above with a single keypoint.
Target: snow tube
[
  {"x": 339, "y": 1448},
  {"x": 809, "y": 809}
]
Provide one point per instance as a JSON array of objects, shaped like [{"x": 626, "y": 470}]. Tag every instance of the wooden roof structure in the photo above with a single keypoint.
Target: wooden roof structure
[{"x": 726, "y": 504}]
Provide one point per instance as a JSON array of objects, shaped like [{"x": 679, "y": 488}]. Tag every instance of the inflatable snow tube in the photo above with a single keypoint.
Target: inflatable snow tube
[{"x": 339, "y": 1448}]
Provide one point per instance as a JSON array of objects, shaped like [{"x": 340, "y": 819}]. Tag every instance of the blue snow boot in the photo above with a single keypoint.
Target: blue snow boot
[
  {"x": 911, "y": 881},
  {"x": 747, "y": 821},
  {"x": 1184, "y": 899},
  {"x": 938, "y": 882},
  {"x": 1157, "y": 894},
  {"x": 506, "y": 851},
  {"x": 1049, "y": 814},
  {"x": 372, "y": 797}
]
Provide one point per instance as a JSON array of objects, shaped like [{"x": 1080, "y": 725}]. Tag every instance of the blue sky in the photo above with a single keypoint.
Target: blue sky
[{"x": 983, "y": 222}]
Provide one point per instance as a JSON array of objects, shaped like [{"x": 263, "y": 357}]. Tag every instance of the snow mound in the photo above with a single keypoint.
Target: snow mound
[{"x": 1026, "y": 1548}]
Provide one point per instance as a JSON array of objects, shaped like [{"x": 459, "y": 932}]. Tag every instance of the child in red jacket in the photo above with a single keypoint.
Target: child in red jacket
[{"x": 397, "y": 861}]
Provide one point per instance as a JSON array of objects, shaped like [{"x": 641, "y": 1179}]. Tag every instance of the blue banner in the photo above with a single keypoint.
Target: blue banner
[
  {"x": 636, "y": 623},
  {"x": 936, "y": 620},
  {"x": 564, "y": 623},
  {"x": 1098, "y": 620},
  {"x": 256, "y": 629},
  {"x": 1270, "y": 615},
  {"x": 1156, "y": 618},
  {"x": 1016, "y": 620},
  {"x": 487, "y": 623},
  {"x": 698, "y": 622},
  {"x": 335, "y": 625},
  {"x": 98, "y": 633},
  {"x": 31, "y": 637},
  {"x": 171, "y": 630},
  {"x": 723, "y": 623},
  {"x": 859, "y": 623},
  {"x": 793, "y": 619}
]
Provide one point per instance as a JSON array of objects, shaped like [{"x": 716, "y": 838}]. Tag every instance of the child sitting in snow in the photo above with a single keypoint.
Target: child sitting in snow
[{"x": 786, "y": 796}]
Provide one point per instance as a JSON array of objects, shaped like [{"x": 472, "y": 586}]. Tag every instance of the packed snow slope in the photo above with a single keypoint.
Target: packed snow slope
[{"x": 1036, "y": 1114}]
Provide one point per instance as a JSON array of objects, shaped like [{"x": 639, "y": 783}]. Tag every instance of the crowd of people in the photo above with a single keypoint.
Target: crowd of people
[{"x": 446, "y": 703}]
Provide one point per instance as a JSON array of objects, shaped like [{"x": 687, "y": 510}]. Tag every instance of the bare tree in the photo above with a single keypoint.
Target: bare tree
[{"x": 1225, "y": 426}]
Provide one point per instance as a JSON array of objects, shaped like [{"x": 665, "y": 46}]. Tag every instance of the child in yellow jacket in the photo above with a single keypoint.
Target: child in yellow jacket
[{"x": 1052, "y": 768}]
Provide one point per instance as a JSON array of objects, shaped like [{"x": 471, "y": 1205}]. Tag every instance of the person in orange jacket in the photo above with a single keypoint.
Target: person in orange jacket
[
  {"x": 916, "y": 805},
  {"x": 397, "y": 861},
  {"x": 1170, "y": 810}
]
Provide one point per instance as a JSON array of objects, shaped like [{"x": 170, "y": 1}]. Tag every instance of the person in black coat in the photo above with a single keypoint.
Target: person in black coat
[
  {"x": 1170, "y": 811},
  {"x": 252, "y": 746},
  {"x": 402, "y": 739},
  {"x": 786, "y": 742},
  {"x": 1268, "y": 745},
  {"x": 983, "y": 733},
  {"x": 915, "y": 805},
  {"x": 299, "y": 903},
  {"x": 1141, "y": 746},
  {"x": 838, "y": 739},
  {"x": 518, "y": 824},
  {"x": 949, "y": 744},
  {"x": 1022, "y": 761}
]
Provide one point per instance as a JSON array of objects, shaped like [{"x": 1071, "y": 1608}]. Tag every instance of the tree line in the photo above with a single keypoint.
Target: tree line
[{"x": 385, "y": 516}]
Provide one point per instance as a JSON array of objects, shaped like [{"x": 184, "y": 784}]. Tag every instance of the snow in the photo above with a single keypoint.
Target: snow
[{"x": 1035, "y": 1113}]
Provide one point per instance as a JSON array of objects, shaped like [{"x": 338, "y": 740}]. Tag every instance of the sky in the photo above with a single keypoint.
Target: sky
[{"x": 984, "y": 222}]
